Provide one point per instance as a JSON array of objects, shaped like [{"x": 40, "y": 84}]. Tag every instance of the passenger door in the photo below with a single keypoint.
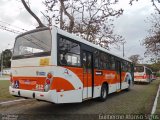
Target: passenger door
[
  {"x": 87, "y": 63},
  {"x": 118, "y": 74}
]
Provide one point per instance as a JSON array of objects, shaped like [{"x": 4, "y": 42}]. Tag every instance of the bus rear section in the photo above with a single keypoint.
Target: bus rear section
[
  {"x": 142, "y": 74},
  {"x": 31, "y": 60},
  {"x": 35, "y": 73}
]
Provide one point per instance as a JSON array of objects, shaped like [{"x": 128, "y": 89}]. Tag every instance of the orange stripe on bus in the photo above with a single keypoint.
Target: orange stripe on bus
[
  {"x": 61, "y": 84},
  {"x": 32, "y": 82}
]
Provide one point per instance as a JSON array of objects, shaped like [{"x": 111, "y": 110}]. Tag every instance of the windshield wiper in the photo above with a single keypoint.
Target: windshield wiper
[{"x": 31, "y": 54}]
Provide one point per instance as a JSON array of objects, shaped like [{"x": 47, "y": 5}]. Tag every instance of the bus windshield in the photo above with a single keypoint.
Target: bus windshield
[
  {"x": 138, "y": 69},
  {"x": 33, "y": 44}
]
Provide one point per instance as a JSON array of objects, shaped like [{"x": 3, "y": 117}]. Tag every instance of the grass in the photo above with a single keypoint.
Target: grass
[
  {"x": 4, "y": 91},
  {"x": 158, "y": 105},
  {"x": 148, "y": 96},
  {"x": 4, "y": 76}
]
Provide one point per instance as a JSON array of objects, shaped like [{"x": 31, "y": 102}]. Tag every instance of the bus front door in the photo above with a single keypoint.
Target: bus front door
[
  {"x": 87, "y": 63},
  {"x": 118, "y": 75}
]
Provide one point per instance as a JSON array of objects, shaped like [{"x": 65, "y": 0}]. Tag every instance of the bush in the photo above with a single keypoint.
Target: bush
[{"x": 158, "y": 75}]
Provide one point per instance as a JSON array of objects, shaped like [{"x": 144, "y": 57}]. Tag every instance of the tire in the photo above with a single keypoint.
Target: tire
[
  {"x": 149, "y": 81},
  {"x": 104, "y": 93}
]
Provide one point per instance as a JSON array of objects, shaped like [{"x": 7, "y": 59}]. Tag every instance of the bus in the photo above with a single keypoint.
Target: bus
[
  {"x": 154, "y": 76},
  {"x": 52, "y": 65},
  {"x": 142, "y": 74}
]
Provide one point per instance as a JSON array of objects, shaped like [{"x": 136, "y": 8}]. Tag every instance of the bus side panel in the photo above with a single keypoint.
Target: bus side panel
[
  {"x": 126, "y": 78},
  {"x": 71, "y": 96},
  {"x": 68, "y": 84},
  {"x": 111, "y": 77}
]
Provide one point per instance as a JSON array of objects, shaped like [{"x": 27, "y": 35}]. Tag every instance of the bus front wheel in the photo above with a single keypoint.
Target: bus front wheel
[{"x": 104, "y": 93}]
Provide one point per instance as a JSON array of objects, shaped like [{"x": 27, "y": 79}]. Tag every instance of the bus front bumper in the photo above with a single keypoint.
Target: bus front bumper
[
  {"x": 141, "y": 80},
  {"x": 49, "y": 96}
]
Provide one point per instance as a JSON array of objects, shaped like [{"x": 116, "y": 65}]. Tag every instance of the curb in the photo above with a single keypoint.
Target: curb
[
  {"x": 155, "y": 102},
  {"x": 6, "y": 102}
]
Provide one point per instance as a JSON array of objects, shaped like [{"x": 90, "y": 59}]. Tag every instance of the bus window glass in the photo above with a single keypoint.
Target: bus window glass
[
  {"x": 69, "y": 52},
  {"x": 96, "y": 56},
  {"x": 139, "y": 69},
  {"x": 84, "y": 61},
  {"x": 103, "y": 60},
  {"x": 107, "y": 63},
  {"x": 35, "y": 44},
  {"x": 112, "y": 63},
  {"x": 129, "y": 67},
  {"x": 126, "y": 66},
  {"x": 89, "y": 63}
]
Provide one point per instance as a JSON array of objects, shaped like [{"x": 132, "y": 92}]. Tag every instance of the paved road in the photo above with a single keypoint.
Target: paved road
[{"x": 138, "y": 100}]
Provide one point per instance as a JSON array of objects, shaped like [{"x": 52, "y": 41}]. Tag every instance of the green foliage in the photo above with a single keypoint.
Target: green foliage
[
  {"x": 4, "y": 91},
  {"x": 6, "y": 55},
  {"x": 155, "y": 66},
  {"x": 158, "y": 75}
]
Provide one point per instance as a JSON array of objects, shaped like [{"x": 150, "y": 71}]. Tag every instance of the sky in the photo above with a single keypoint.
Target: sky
[{"x": 131, "y": 25}]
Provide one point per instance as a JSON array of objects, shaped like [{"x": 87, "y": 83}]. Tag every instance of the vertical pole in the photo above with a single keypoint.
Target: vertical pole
[
  {"x": 123, "y": 49},
  {"x": 2, "y": 63}
]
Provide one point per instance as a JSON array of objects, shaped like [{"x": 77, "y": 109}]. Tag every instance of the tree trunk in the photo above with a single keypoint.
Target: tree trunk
[
  {"x": 29, "y": 10},
  {"x": 71, "y": 18}
]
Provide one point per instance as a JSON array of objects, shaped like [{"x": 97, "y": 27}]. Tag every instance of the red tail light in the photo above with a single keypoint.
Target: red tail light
[
  {"x": 144, "y": 76},
  {"x": 41, "y": 95},
  {"x": 48, "y": 81}
]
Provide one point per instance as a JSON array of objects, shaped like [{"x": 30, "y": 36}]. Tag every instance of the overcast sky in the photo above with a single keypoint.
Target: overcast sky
[{"x": 131, "y": 25}]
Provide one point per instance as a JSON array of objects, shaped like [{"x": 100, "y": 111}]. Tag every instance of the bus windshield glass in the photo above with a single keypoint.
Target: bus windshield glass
[
  {"x": 33, "y": 44},
  {"x": 138, "y": 69}
]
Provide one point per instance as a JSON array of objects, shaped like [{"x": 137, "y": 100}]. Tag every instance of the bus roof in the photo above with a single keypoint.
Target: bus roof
[
  {"x": 140, "y": 65},
  {"x": 77, "y": 38}
]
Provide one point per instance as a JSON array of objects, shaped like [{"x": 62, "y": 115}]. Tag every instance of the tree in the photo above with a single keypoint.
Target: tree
[
  {"x": 152, "y": 41},
  {"x": 135, "y": 59},
  {"x": 30, "y": 11},
  {"x": 90, "y": 19},
  {"x": 155, "y": 66},
  {"x": 155, "y": 3},
  {"x": 7, "y": 54}
]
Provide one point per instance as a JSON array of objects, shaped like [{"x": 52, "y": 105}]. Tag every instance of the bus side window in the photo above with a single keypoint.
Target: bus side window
[
  {"x": 89, "y": 63},
  {"x": 96, "y": 56},
  {"x": 69, "y": 52},
  {"x": 112, "y": 63},
  {"x": 102, "y": 61},
  {"x": 84, "y": 60},
  {"x": 63, "y": 60},
  {"x": 108, "y": 62}
]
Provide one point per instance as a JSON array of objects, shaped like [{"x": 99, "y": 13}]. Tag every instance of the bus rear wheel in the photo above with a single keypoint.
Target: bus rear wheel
[{"x": 104, "y": 93}]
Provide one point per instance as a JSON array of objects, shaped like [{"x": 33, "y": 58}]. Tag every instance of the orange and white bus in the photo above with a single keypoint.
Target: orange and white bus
[
  {"x": 154, "y": 76},
  {"x": 52, "y": 65},
  {"x": 142, "y": 74}
]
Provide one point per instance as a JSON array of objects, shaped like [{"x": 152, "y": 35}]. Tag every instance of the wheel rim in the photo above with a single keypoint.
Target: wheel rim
[{"x": 104, "y": 93}]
